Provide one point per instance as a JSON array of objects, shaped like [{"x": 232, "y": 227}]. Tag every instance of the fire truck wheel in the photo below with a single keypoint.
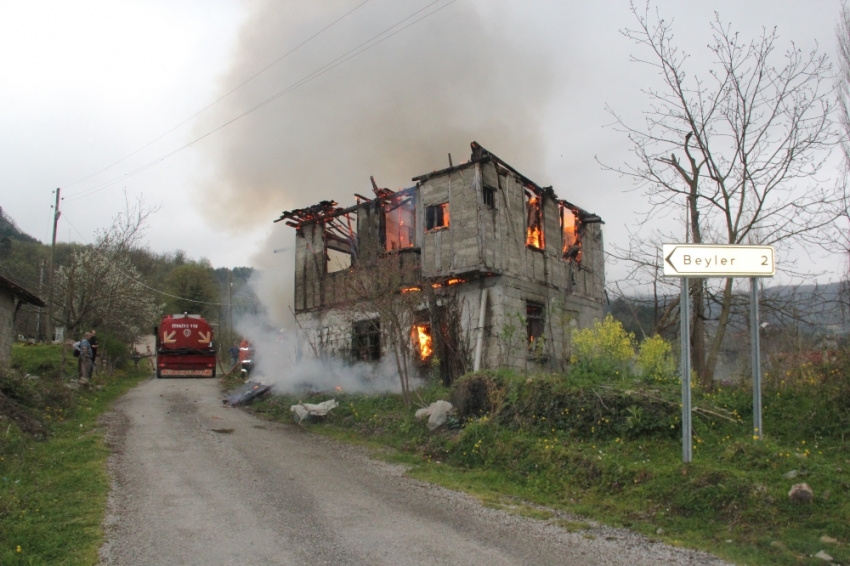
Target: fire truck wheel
[{"x": 158, "y": 374}]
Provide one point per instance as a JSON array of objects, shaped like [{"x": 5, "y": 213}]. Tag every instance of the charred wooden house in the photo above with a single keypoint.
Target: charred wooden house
[{"x": 519, "y": 267}]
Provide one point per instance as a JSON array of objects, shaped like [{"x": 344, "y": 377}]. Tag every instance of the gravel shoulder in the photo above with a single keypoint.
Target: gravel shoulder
[{"x": 196, "y": 482}]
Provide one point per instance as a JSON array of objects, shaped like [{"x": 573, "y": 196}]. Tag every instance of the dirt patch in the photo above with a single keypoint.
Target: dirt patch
[{"x": 21, "y": 416}]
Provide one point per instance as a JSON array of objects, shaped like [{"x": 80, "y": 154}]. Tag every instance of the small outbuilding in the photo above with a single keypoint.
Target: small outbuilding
[{"x": 12, "y": 297}]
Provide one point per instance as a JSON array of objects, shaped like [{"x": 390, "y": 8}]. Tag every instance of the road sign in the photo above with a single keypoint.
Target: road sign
[{"x": 708, "y": 260}]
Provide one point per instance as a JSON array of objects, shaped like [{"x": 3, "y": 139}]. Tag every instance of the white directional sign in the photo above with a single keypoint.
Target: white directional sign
[{"x": 708, "y": 260}]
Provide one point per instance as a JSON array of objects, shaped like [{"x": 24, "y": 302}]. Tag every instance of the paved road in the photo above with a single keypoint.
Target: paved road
[{"x": 199, "y": 483}]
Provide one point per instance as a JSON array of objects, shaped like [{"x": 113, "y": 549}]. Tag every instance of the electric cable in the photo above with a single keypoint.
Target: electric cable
[
  {"x": 145, "y": 285},
  {"x": 225, "y": 95},
  {"x": 351, "y": 54}
]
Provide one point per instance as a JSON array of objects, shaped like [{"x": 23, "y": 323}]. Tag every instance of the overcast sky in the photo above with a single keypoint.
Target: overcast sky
[{"x": 84, "y": 84}]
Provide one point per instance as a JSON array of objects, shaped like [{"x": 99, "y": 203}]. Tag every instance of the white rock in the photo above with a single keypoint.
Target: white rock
[{"x": 823, "y": 556}]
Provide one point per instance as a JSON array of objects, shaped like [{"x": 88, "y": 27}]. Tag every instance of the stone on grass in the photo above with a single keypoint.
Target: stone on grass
[
  {"x": 790, "y": 475},
  {"x": 828, "y": 539},
  {"x": 823, "y": 556},
  {"x": 801, "y": 493}
]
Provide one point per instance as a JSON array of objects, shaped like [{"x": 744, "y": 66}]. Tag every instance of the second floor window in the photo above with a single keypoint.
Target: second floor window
[
  {"x": 399, "y": 224},
  {"x": 533, "y": 220},
  {"x": 570, "y": 224},
  {"x": 437, "y": 216}
]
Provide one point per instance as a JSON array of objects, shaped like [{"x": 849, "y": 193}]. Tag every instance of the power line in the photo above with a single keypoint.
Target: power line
[
  {"x": 345, "y": 57},
  {"x": 225, "y": 95},
  {"x": 145, "y": 285}
]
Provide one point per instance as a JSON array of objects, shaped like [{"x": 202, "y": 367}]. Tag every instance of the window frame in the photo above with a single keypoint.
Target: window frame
[{"x": 432, "y": 216}]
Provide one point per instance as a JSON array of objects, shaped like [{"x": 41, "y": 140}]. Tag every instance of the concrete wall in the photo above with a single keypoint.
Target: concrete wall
[
  {"x": 7, "y": 327},
  {"x": 486, "y": 245}
]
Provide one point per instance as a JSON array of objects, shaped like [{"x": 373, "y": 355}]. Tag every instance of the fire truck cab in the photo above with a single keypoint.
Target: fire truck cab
[{"x": 185, "y": 347}]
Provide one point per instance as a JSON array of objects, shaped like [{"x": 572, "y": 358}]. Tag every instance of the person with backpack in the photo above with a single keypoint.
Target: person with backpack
[{"x": 83, "y": 351}]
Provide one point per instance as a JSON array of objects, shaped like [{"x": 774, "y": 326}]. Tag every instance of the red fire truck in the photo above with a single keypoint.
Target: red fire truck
[{"x": 184, "y": 347}]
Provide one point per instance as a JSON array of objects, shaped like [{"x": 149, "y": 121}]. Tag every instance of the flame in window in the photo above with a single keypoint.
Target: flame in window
[
  {"x": 570, "y": 224},
  {"x": 534, "y": 230},
  {"x": 421, "y": 335}
]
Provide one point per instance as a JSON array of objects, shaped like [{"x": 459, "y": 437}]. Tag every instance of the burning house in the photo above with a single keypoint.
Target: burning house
[{"x": 494, "y": 270}]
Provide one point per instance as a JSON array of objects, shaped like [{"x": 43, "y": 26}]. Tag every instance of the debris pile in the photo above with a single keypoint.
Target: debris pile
[
  {"x": 437, "y": 413},
  {"x": 247, "y": 393},
  {"x": 303, "y": 411}
]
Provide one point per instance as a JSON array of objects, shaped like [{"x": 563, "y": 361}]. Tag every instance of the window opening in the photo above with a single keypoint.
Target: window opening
[
  {"x": 489, "y": 194},
  {"x": 366, "y": 340},
  {"x": 337, "y": 260},
  {"x": 420, "y": 334},
  {"x": 533, "y": 220},
  {"x": 399, "y": 222},
  {"x": 534, "y": 322},
  {"x": 570, "y": 225},
  {"x": 437, "y": 216}
]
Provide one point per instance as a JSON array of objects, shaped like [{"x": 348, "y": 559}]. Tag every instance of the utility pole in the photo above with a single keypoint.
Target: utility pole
[
  {"x": 49, "y": 326},
  {"x": 229, "y": 305},
  {"x": 38, "y": 326}
]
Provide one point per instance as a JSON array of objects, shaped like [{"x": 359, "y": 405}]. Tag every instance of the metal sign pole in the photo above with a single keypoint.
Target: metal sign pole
[
  {"x": 756, "y": 357},
  {"x": 685, "y": 326}
]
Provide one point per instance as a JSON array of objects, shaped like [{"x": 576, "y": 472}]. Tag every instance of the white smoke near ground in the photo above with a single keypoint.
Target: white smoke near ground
[{"x": 289, "y": 366}]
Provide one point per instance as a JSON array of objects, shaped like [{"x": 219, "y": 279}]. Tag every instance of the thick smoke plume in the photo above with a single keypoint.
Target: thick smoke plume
[{"x": 393, "y": 112}]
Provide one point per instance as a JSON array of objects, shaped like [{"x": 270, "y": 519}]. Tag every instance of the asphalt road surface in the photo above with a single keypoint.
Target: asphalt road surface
[{"x": 195, "y": 482}]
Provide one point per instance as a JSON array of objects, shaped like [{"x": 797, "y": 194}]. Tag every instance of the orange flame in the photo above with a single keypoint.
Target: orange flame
[
  {"x": 410, "y": 289},
  {"x": 454, "y": 281},
  {"x": 534, "y": 234},
  {"x": 422, "y": 340},
  {"x": 534, "y": 237}
]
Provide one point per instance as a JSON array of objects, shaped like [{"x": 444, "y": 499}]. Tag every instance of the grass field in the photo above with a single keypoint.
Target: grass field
[
  {"x": 612, "y": 453},
  {"x": 53, "y": 490}
]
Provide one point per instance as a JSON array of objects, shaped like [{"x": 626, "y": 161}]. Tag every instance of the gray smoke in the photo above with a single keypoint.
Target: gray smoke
[
  {"x": 393, "y": 112},
  {"x": 286, "y": 363}
]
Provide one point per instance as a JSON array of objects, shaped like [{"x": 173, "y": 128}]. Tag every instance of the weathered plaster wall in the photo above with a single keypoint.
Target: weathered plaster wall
[
  {"x": 7, "y": 327},
  {"x": 483, "y": 243}
]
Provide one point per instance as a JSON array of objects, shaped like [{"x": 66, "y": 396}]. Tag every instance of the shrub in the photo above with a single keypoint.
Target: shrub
[
  {"x": 605, "y": 349},
  {"x": 655, "y": 360}
]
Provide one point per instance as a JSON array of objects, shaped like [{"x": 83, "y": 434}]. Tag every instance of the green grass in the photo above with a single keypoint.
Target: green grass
[
  {"x": 53, "y": 492},
  {"x": 731, "y": 500}
]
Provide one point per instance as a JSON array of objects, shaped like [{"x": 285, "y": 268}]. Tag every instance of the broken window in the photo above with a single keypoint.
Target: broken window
[
  {"x": 399, "y": 222},
  {"x": 366, "y": 340},
  {"x": 437, "y": 216},
  {"x": 489, "y": 195},
  {"x": 533, "y": 219},
  {"x": 570, "y": 224},
  {"x": 420, "y": 335},
  {"x": 534, "y": 322},
  {"x": 337, "y": 260}
]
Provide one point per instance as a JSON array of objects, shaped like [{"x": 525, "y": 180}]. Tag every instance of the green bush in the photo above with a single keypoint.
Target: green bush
[
  {"x": 605, "y": 349},
  {"x": 655, "y": 361}
]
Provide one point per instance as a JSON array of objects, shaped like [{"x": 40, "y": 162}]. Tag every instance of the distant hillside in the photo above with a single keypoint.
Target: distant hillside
[{"x": 8, "y": 229}]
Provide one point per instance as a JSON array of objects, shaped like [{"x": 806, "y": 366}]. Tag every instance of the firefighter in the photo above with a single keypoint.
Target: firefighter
[{"x": 246, "y": 357}]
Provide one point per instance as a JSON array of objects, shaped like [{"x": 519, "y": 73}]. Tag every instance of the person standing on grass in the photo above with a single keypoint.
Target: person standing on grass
[
  {"x": 86, "y": 357},
  {"x": 93, "y": 342},
  {"x": 234, "y": 354}
]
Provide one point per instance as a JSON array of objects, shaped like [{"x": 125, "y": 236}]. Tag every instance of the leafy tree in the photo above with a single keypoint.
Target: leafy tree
[
  {"x": 99, "y": 286},
  {"x": 737, "y": 147},
  {"x": 194, "y": 290}
]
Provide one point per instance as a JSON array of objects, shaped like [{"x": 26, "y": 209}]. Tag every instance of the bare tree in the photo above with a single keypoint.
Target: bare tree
[
  {"x": 843, "y": 91},
  {"x": 389, "y": 290},
  {"x": 100, "y": 286},
  {"x": 738, "y": 147}
]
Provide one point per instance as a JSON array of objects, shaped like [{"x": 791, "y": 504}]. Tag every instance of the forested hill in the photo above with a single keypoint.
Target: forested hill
[{"x": 8, "y": 229}]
